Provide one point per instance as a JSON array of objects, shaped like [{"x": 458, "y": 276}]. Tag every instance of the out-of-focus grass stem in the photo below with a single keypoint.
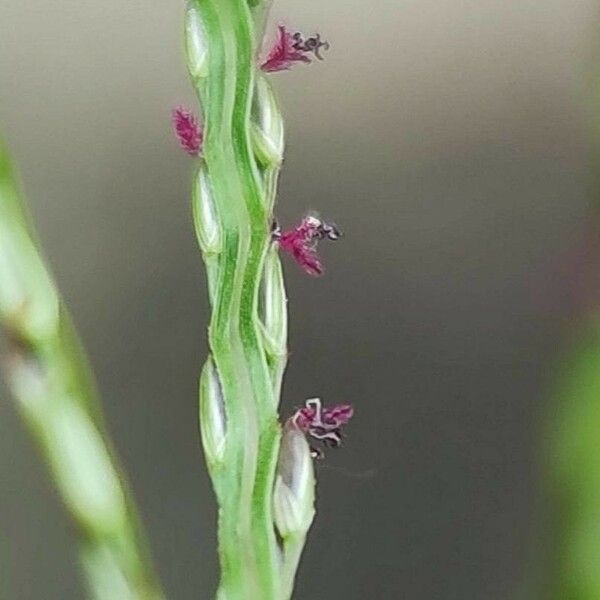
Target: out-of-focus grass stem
[{"x": 47, "y": 371}]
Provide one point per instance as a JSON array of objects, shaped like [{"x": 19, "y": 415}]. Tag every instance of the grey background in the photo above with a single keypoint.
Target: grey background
[{"x": 446, "y": 137}]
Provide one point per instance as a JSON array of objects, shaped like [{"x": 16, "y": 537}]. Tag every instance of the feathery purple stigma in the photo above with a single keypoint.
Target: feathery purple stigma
[
  {"x": 188, "y": 130},
  {"x": 321, "y": 423},
  {"x": 292, "y": 48},
  {"x": 301, "y": 242}
]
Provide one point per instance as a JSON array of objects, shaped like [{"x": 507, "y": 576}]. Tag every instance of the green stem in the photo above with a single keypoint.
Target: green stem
[
  {"x": 49, "y": 376},
  {"x": 233, "y": 202},
  {"x": 244, "y": 482}
]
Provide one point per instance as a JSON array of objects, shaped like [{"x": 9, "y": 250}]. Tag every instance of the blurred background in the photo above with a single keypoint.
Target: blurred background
[{"x": 448, "y": 140}]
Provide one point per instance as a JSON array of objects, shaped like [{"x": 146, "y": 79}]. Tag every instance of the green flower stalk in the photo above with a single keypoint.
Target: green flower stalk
[
  {"x": 263, "y": 477},
  {"x": 48, "y": 374}
]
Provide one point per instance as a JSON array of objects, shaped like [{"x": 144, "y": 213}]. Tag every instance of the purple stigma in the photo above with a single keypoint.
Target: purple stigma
[
  {"x": 292, "y": 48},
  {"x": 321, "y": 423},
  {"x": 301, "y": 242},
  {"x": 188, "y": 130}
]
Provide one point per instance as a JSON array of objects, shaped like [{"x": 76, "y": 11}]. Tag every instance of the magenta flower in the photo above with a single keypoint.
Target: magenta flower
[
  {"x": 292, "y": 48},
  {"x": 187, "y": 129},
  {"x": 323, "y": 424},
  {"x": 301, "y": 242}
]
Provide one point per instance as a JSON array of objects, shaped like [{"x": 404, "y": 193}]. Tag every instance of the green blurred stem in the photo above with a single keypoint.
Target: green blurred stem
[
  {"x": 574, "y": 472},
  {"x": 48, "y": 373},
  {"x": 572, "y": 438}
]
